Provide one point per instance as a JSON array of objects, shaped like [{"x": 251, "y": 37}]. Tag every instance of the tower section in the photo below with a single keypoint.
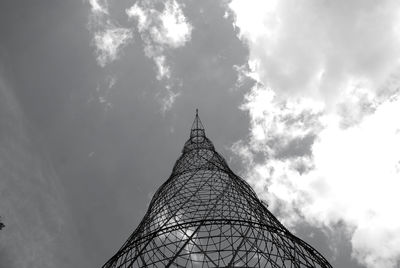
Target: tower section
[{"x": 204, "y": 215}]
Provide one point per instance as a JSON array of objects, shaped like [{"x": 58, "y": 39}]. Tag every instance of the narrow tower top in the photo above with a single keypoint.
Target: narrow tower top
[
  {"x": 197, "y": 133},
  {"x": 197, "y": 139}
]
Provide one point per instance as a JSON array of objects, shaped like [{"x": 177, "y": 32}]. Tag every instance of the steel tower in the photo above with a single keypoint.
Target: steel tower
[{"x": 204, "y": 215}]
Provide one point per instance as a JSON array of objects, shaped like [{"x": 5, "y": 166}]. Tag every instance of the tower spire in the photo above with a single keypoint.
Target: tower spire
[
  {"x": 197, "y": 132},
  {"x": 197, "y": 116}
]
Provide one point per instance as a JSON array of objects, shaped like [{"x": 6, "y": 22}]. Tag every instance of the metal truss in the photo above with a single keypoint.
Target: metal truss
[{"x": 206, "y": 216}]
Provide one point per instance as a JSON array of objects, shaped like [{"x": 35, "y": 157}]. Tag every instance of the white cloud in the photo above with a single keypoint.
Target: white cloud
[
  {"x": 323, "y": 116},
  {"x": 162, "y": 26},
  {"x": 176, "y": 30},
  {"x": 109, "y": 43},
  {"x": 353, "y": 176},
  {"x": 99, "y": 7},
  {"x": 161, "y": 31},
  {"x": 168, "y": 99},
  {"x": 108, "y": 39},
  {"x": 168, "y": 28},
  {"x": 315, "y": 47},
  {"x": 163, "y": 70}
]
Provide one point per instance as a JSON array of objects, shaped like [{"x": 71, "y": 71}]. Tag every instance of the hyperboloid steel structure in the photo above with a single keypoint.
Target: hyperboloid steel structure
[{"x": 204, "y": 215}]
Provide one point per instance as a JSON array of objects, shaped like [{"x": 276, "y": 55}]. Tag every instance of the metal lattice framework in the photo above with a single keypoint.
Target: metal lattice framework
[{"x": 206, "y": 216}]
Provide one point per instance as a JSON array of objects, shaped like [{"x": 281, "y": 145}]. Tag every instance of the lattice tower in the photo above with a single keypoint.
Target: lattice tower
[{"x": 204, "y": 215}]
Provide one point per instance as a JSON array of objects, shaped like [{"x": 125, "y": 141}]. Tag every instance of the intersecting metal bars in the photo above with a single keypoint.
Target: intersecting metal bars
[{"x": 204, "y": 216}]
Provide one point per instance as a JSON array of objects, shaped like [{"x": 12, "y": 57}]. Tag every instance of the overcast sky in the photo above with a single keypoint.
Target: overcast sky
[{"x": 97, "y": 98}]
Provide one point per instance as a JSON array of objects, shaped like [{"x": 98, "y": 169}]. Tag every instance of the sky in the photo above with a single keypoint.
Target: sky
[{"x": 97, "y": 98}]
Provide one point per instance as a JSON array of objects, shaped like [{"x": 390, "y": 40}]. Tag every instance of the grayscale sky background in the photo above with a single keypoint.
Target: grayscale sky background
[{"x": 97, "y": 98}]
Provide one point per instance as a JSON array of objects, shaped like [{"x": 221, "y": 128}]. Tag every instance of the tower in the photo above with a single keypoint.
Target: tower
[{"x": 206, "y": 216}]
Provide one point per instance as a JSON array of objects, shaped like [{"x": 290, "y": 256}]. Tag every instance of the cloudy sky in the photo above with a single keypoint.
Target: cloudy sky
[{"x": 302, "y": 97}]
